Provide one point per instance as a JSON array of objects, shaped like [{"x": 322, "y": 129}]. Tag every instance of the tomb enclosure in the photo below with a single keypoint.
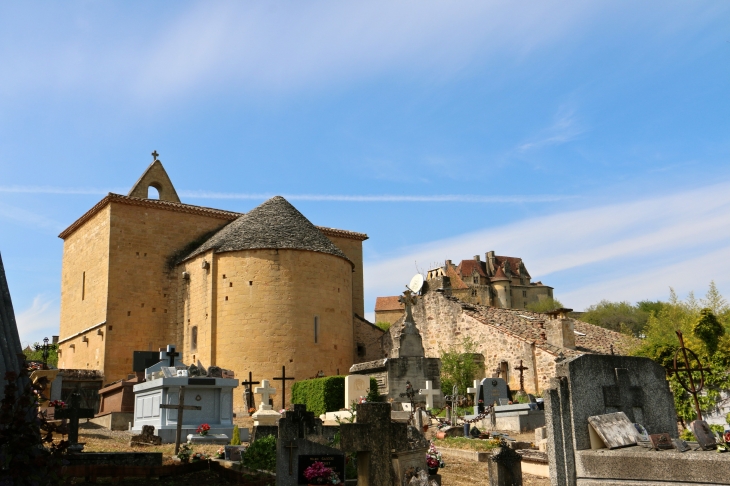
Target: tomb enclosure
[{"x": 621, "y": 390}]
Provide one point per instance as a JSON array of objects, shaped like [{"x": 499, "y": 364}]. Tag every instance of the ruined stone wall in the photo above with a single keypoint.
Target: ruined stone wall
[
  {"x": 443, "y": 324},
  {"x": 262, "y": 312},
  {"x": 368, "y": 341},
  {"x": 84, "y": 292}
]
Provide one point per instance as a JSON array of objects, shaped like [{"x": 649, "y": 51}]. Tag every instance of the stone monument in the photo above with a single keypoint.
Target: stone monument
[{"x": 265, "y": 419}]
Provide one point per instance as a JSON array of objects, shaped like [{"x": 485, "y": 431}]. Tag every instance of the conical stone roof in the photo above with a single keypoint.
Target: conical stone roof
[{"x": 273, "y": 224}]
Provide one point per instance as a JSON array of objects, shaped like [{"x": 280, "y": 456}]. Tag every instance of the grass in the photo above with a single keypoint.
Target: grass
[{"x": 466, "y": 444}]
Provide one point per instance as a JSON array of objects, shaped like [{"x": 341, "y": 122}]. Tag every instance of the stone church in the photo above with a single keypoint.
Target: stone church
[{"x": 247, "y": 292}]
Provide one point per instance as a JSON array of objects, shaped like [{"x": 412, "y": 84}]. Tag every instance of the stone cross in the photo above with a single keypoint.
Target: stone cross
[
  {"x": 169, "y": 354},
  {"x": 265, "y": 391},
  {"x": 430, "y": 392},
  {"x": 248, "y": 395},
  {"x": 154, "y": 155},
  {"x": 373, "y": 437},
  {"x": 283, "y": 378},
  {"x": 73, "y": 413},
  {"x": 408, "y": 299},
  {"x": 180, "y": 407},
  {"x": 623, "y": 396},
  {"x": 474, "y": 390},
  {"x": 521, "y": 369}
]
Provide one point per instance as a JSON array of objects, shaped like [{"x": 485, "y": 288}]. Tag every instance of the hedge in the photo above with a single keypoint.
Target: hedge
[{"x": 320, "y": 395}]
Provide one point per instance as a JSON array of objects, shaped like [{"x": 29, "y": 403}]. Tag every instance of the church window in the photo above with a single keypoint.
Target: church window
[
  {"x": 194, "y": 338},
  {"x": 83, "y": 286},
  {"x": 153, "y": 193},
  {"x": 316, "y": 329}
]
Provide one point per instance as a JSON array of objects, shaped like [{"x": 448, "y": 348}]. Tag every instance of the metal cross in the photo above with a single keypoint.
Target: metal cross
[
  {"x": 283, "y": 378},
  {"x": 522, "y": 378},
  {"x": 73, "y": 413},
  {"x": 410, "y": 394},
  {"x": 172, "y": 354},
  {"x": 45, "y": 353},
  {"x": 693, "y": 389},
  {"x": 155, "y": 154},
  {"x": 180, "y": 407},
  {"x": 291, "y": 448},
  {"x": 498, "y": 370},
  {"x": 247, "y": 385}
]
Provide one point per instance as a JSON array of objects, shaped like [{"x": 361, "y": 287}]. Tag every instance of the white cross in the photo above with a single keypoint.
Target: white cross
[
  {"x": 474, "y": 391},
  {"x": 264, "y": 390},
  {"x": 430, "y": 393}
]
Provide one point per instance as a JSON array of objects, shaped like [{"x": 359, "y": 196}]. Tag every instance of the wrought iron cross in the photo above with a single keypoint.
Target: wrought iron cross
[
  {"x": 410, "y": 394},
  {"x": 45, "y": 353},
  {"x": 249, "y": 388},
  {"x": 172, "y": 354},
  {"x": 154, "y": 155},
  {"x": 498, "y": 370},
  {"x": 693, "y": 389},
  {"x": 283, "y": 378},
  {"x": 522, "y": 378}
]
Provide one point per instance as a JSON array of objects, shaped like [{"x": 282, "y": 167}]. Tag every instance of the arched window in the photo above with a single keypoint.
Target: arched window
[
  {"x": 153, "y": 192},
  {"x": 194, "y": 338}
]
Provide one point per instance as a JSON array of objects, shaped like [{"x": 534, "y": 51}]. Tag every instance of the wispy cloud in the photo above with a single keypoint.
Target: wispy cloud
[
  {"x": 636, "y": 237},
  {"x": 39, "y": 320},
  {"x": 28, "y": 218},
  {"x": 52, "y": 190},
  {"x": 564, "y": 128}
]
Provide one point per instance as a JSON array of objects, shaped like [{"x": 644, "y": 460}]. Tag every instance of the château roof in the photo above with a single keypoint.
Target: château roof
[
  {"x": 514, "y": 264},
  {"x": 468, "y": 267},
  {"x": 390, "y": 303},
  {"x": 275, "y": 224}
]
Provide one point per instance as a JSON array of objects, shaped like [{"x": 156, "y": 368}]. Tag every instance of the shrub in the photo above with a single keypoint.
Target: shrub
[
  {"x": 236, "y": 439},
  {"x": 320, "y": 395},
  {"x": 373, "y": 394},
  {"x": 261, "y": 454},
  {"x": 384, "y": 326}
]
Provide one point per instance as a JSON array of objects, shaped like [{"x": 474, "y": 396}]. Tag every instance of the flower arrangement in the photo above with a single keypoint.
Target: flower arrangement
[
  {"x": 318, "y": 473},
  {"x": 184, "y": 454},
  {"x": 203, "y": 429},
  {"x": 220, "y": 453},
  {"x": 433, "y": 458},
  {"x": 252, "y": 410},
  {"x": 57, "y": 404},
  {"x": 198, "y": 456}
]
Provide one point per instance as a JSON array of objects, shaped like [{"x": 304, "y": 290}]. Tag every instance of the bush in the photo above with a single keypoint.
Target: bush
[
  {"x": 320, "y": 395},
  {"x": 261, "y": 454},
  {"x": 236, "y": 439},
  {"x": 383, "y": 326},
  {"x": 373, "y": 394}
]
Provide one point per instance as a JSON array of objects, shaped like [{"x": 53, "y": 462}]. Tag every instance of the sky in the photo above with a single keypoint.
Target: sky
[{"x": 591, "y": 139}]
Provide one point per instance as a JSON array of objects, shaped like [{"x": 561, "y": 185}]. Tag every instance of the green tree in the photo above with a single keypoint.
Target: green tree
[
  {"x": 383, "y": 325},
  {"x": 35, "y": 353},
  {"x": 458, "y": 366},
  {"x": 544, "y": 305},
  {"x": 617, "y": 316}
]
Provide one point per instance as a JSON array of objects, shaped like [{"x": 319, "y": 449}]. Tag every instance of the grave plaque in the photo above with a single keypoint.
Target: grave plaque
[
  {"x": 614, "y": 429},
  {"x": 233, "y": 453},
  {"x": 334, "y": 462},
  {"x": 702, "y": 432},
  {"x": 681, "y": 445},
  {"x": 661, "y": 442}
]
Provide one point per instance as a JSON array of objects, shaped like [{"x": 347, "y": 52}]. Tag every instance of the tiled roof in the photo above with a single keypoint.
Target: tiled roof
[
  {"x": 390, "y": 303},
  {"x": 514, "y": 264},
  {"x": 468, "y": 267},
  {"x": 529, "y": 326},
  {"x": 455, "y": 278},
  {"x": 499, "y": 275},
  {"x": 275, "y": 224}
]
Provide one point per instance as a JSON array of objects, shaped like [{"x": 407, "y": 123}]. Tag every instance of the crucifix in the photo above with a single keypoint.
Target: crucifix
[
  {"x": 693, "y": 389},
  {"x": 474, "y": 391},
  {"x": 265, "y": 391},
  {"x": 283, "y": 378},
  {"x": 154, "y": 155},
  {"x": 248, "y": 393},
  {"x": 73, "y": 413},
  {"x": 291, "y": 448},
  {"x": 522, "y": 368},
  {"x": 180, "y": 407},
  {"x": 497, "y": 371},
  {"x": 430, "y": 392}
]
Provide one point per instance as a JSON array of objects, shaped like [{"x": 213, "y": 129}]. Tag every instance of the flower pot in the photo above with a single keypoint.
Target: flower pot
[{"x": 441, "y": 435}]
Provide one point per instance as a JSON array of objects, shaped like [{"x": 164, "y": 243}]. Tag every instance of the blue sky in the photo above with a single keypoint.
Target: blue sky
[{"x": 589, "y": 138}]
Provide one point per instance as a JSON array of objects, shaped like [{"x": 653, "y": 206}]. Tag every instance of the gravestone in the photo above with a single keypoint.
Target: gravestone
[
  {"x": 146, "y": 438},
  {"x": 10, "y": 346},
  {"x": 505, "y": 467},
  {"x": 430, "y": 393},
  {"x": 594, "y": 385},
  {"x": 495, "y": 390},
  {"x": 265, "y": 419},
  {"x": 298, "y": 446},
  {"x": 373, "y": 437},
  {"x": 703, "y": 434},
  {"x": 356, "y": 386},
  {"x": 73, "y": 413},
  {"x": 233, "y": 452}
]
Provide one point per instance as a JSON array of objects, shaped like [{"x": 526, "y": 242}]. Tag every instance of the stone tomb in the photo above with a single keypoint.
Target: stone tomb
[
  {"x": 356, "y": 386},
  {"x": 595, "y": 385},
  {"x": 494, "y": 391},
  {"x": 300, "y": 444},
  {"x": 213, "y": 395}
]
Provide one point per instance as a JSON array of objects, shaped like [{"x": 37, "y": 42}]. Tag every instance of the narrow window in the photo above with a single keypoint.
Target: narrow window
[
  {"x": 316, "y": 329},
  {"x": 83, "y": 286},
  {"x": 194, "y": 338},
  {"x": 524, "y": 293}
]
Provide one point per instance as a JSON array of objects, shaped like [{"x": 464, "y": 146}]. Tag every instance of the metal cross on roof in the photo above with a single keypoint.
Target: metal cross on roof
[
  {"x": 693, "y": 389},
  {"x": 154, "y": 155},
  {"x": 521, "y": 369}
]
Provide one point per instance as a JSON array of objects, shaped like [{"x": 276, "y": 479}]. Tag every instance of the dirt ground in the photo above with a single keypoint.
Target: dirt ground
[{"x": 458, "y": 472}]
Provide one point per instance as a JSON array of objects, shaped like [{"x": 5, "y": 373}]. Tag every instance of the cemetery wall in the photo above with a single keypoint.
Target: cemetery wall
[
  {"x": 84, "y": 291},
  {"x": 368, "y": 341},
  {"x": 256, "y": 310},
  {"x": 353, "y": 249}
]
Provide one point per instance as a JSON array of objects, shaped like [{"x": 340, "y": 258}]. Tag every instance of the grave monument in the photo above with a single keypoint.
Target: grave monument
[{"x": 265, "y": 419}]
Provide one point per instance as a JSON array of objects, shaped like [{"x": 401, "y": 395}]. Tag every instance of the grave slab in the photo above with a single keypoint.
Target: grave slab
[{"x": 221, "y": 439}]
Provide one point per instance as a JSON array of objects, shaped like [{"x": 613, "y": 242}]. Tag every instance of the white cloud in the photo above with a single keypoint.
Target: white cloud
[
  {"x": 691, "y": 228},
  {"x": 39, "y": 320},
  {"x": 564, "y": 128},
  {"x": 28, "y": 218}
]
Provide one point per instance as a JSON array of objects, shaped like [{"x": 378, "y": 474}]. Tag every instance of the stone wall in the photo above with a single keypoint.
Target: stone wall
[
  {"x": 389, "y": 316},
  {"x": 353, "y": 249},
  {"x": 368, "y": 341},
  {"x": 255, "y": 309}
]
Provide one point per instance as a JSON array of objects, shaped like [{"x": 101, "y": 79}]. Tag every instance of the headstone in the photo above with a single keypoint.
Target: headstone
[
  {"x": 265, "y": 415},
  {"x": 146, "y": 438},
  {"x": 430, "y": 393},
  {"x": 505, "y": 467},
  {"x": 661, "y": 442},
  {"x": 233, "y": 452},
  {"x": 407, "y": 464},
  {"x": 296, "y": 450},
  {"x": 474, "y": 390},
  {"x": 356, "y": 386},
  {"x": 373, "y": 437},
  {"x": 614, "y": 430},
  {"x": 494, "y": 390},
  {"x": 10, "y": 346},
  {"x": 703, "y": 434}
]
